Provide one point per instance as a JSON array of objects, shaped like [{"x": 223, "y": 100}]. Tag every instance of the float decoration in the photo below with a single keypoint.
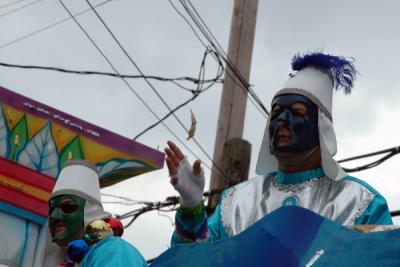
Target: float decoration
[{"x": 36, "y": 137}]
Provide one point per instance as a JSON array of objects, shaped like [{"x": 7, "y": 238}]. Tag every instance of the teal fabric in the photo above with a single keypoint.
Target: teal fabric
[
  {"x": 113, "y": 252},
  {"x": 216, "y": 230},
  {"x": 298, "y": 177},
  {"x": 276, "y": 241},
  {"x": 377, "y": 211}
]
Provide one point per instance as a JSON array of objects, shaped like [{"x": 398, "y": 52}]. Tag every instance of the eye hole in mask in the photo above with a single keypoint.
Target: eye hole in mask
[{"x": 66, "y": 208}]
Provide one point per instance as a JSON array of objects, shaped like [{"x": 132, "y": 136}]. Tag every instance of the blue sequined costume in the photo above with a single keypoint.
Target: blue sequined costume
[{"x": 348, "y": 201}]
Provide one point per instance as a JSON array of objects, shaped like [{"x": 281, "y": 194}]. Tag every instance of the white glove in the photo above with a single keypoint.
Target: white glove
[{"x": 190, "y": 186}]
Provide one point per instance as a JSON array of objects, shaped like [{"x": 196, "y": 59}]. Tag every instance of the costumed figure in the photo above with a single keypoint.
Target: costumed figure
[
  {"x": 295, "y": 164},
  {"x": 83, "y": 232}
]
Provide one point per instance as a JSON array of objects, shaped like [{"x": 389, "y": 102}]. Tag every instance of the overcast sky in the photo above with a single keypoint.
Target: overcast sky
[{"x": 162, "y": 44}]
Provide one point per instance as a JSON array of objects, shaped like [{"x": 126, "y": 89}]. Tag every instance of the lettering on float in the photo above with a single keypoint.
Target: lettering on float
[{"x": 62, "y": 119}]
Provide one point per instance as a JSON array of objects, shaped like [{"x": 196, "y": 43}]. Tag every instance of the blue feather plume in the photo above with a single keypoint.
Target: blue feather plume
[{"x": 341, "y": 69}]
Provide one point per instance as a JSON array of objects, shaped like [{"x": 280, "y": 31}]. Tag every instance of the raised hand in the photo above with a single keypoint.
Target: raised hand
[{"x": 187, "y": 180}]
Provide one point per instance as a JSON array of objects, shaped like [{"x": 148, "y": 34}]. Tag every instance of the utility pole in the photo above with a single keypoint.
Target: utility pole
[{"x": 233, "y": 161}]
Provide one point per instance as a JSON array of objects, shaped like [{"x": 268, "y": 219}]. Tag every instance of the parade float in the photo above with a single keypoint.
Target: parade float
[{"x": 35, "y": 142}]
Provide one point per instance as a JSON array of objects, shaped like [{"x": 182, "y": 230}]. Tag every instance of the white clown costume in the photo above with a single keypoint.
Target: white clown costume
[{"x": 328, "y": 190}]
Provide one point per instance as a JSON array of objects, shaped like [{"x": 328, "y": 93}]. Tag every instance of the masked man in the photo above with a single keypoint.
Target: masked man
[
  {"x": 295, "y": 164},
  {"x": 75, "y": 203}
]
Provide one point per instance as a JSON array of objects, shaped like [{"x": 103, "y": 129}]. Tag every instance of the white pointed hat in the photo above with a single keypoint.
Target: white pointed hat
[
  {"x": 80, "y": 178},
  {"x": 316, "y": 76}
]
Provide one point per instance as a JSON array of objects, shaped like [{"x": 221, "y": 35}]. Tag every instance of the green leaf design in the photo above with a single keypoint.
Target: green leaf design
[
  {"x": 40, "y": 153},
  {"x": 72, "y": 150},
  {"x": 18, "y": 137}
]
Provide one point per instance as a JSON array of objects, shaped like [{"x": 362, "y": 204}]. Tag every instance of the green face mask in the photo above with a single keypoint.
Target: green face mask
[{"x": 66, "y": 214}]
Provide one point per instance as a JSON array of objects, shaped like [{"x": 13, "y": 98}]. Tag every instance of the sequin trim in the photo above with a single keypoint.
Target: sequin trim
[
  {"x": 225, "y": 203},
  {"x": 308, "y": 95},
  {"x": 294, "y": 188},
  {"x": 364, "y": 205}
]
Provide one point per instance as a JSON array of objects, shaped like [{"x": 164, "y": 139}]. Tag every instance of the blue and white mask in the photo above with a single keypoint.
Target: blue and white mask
[
  {"x": 303, "y": 128},
  {"x": 316, "y": 75}
]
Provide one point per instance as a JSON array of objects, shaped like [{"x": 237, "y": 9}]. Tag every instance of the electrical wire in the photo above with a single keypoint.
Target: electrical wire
[
  {"x": 196, "y": 93},
  {"x": 115, "y": 75},
  {"x": 51, "y": 25},
  {"x": 136, "y": 67},
  {"x": 226, "y": 59},
  {"x": 171, "y": 202},
  {"x": 243, "y": 84},
  {"x": 128, "y": 85},
  {"x": 395, "y": 213},
  {"x": 392, "y": 149},
  {"x": 19, "y": 8},
  {"x": 125, "y": 198},
  {"x": 392, "y": 152},
  {"x": 227, "y": 73},
  {"x": 187, "y": 22},
  {"x": 153, "y": 88},
  {"x": 12, "y": 3}
]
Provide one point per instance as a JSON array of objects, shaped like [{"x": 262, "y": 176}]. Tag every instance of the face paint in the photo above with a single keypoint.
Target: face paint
[
  {"x": 66, "y": 214},
  {"x": 296, "y": 131}
]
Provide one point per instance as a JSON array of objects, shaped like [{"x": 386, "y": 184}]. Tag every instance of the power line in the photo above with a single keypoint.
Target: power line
[
  {"x": 392, "y": 152},
  {"x": 135, "y": 65},
  {"x": 128, "y": 199},
  {"x": 393, "y": 149},
  {"x": 223, "y": 52},
  {"x": 196, "y": 93},
  {"x": 116, "y": 75},
  {"x": 50, "y": 26},
  {"x": 220, "y": 50},
  {"x": 11, "y": 4},
  {"x": 152, "y": 87},
  {"x": 171, "y": 202},
  {"x": 243, "y": 84},
  {"x": 17, "y": 9},
  {"x": 126, "y": 83},
  {"x": 395, "y": 213},
  {"x": 187, "y": 22}
]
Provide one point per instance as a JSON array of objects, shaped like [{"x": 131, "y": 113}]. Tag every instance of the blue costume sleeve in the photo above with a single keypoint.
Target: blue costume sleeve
[
  {"x": 113, "y": 252},
  {"x": 377, "y": 211},
  {"x": 192, "y": 225},
  {"x": 216, "y": 229}
]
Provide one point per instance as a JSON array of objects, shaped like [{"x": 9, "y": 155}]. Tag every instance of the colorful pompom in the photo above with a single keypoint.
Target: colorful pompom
[
  {"x": 116, "y": 226},
  {"x": 96, "y": 231},
  {"x": 77, "y": 250}
]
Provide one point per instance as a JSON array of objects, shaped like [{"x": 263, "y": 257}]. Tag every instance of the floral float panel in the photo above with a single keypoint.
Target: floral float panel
[{"x": 41, "y": 138}]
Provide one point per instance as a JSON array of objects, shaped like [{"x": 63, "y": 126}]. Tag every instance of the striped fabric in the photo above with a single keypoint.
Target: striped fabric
[{"x": 24, "y": 192}]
